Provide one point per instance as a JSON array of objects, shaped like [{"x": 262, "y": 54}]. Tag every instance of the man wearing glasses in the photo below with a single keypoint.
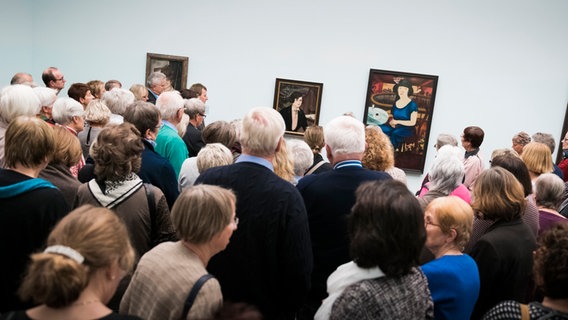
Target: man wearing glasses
[{"x": 53, "y": 78}]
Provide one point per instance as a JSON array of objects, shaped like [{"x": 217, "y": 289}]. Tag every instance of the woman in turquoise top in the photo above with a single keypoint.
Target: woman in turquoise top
[
  {"x": 453, "y": 277},
  {"x": 404, "y": 114}
]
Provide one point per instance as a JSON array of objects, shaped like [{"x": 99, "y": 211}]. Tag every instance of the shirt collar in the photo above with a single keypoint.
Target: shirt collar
[
  {"x": 169, "y": 124},
  {"x": 348, "y": 163},
  {"x": 261, "y": 161}
]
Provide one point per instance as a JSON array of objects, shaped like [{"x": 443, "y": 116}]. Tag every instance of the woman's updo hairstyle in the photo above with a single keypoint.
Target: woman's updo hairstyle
[{"x": 96, "y": 234}]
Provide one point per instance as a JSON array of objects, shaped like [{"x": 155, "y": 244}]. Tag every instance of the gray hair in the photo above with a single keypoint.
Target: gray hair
[
  {"x": 118, "y": 99},
  {"x": 169, "y": 103},
  {"x": 549, "y": 191},
  {"x": 345, "y": 135},
  {"x": 18, "y": 100},
  {"x": 302, "y": 156},
  {"x": 213, "y": 155},
  {"x": 262, "y": 129},
  {"x": 46, "y": 96},
  {"x": 448, "y": 170},
  {"x": 64, "y": 109},
  {"x": 444, "y": 139},
  {"x": 545, "y": 138},
  {"x": 193, "y": 107},
  {"x": 522, "y": 138},
  {"x": 97, "y": 112},
  {"x": 155, "y": 78}
]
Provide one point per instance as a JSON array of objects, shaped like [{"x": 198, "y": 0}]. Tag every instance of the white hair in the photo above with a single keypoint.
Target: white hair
[
  {"x": 449, "y": 150},
  {"x": 193, "y": 107},
  {"x": 118, "y": 99},
  {"x": 345, "y": 135},
  {"x": 18, "y": 100},
  {"x": 213, "y": 155},
  {"x": 169, "y": 103},
  {"x": 155, "y": 78},
  {"x": 46, "y": 96},
  {"x": 549, "y": 191},
  {"x": 302, "y": 155},
  {"x": 64, "y": 109},
  {"x": 262, "y": 129},
  {"x": 448, "y": 170}
]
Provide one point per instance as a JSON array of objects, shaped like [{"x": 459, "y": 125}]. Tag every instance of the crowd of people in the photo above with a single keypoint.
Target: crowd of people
[{"x": 125, "y": 204}]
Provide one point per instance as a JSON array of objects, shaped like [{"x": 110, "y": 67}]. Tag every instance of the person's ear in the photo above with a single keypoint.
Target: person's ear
[
  {"x": 328, "y": 153},
  {"x": 279, "y": 145},
  {"x": 180, "y": 114},
  {"x": 452, "y": 235}
]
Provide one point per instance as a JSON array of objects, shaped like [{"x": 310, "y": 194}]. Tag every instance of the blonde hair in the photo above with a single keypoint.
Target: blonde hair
[
  {"x": 537, "y": 157},
  {"x": 202, "y": 211},
  {"x": 213, "y": 155},
  {"x": 97, "y": 113},
  {"x": 453, "y": 213},
  {"x": 67, "y": 147},
  {"x": 138, "y": 90},
  {"x": 97, "y": 88},
  {"x": 283, "y": 164},
  {"x": 314, "y": 138},
  {"x": 28, "y": 141},
  {"x": 379, "y": 154},
  {"x": 94, "y": 232}
]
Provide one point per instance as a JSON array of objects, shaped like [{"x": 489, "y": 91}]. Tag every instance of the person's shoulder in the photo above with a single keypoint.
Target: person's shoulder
[
  {"x": 116, "y": 316},
  {"x": 504, "y": 310}
]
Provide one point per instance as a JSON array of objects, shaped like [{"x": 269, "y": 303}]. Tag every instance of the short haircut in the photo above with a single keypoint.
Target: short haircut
[
  {"x": 498, "y": 196},
  {"x": 28, "y": 142},
  {"x": 64, "y": 109},
  {"x": 117, "y": 152},
  {"x": 522, "y": 138},
  {"x": 301, "y": 154},
  {"x": 111, "y": 84},
  {"x": 504, "y": 151},
  {"x": 549, "y": 191},
  {"x": 18, "y": 100},
  {"x": 97, "y": 88},
  {"x": 188, "y": 94},
  {"x": 453, "y": 213},
  {"x": 386, "y": 227},
  {"x": 22, "y": 78},
  {"x": 444, "y": 139},
  {"x": 473, "y": 135},
  {"x": 143, "y": 115},
  {"x": 97, "y": 113},
  {"x": 46, "y": 96},
  {"x": 139, "y": 90},
  {"x": 545, "y": 138},
  {"x": 516, "y": 166},
  {"x": 345, "y": 135},
  {"x": 221, "y": 132},
  {"x": 314, "y": 138},
  {"x": 550, "y": 266},
  {"x": 98, "y": 235},
  {"x": 447, "y": 172},
  {"x": 117, "y": 99},
  {"x": 78, "y": 91},
  {"x": 169, "y": 103},
  {"x": 47, "y": 75},
  {"x": 537, "y": 157},
  {"x": 262, "y": 129},
  {"x": 155, "y": 78},
  {"x": 197, "y": 89},
  {"x": 201, "y": 212},
  {"x": 379, "y": 153},
  {"x": 213, "y": 155},
  {"x": 68, "y": 150},
  {"x": 193, "y": 107}
]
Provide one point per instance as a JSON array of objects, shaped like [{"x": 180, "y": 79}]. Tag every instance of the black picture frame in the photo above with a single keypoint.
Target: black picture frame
[
  {"x": 409, "y": 141},
  {"x": 311, "y": 93}
]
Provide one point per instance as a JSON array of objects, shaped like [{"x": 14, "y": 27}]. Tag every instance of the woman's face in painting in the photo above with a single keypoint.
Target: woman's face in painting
[
  {"x": 402, "y": 91},
  {"x": 297, "y": 103}
]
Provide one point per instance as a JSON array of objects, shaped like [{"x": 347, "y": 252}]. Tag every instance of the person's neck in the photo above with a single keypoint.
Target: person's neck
[
  {"x": 447, "y": 250},
  {"x": 556, "y": 304},
  {"x": 30, "y": 172},
  {"x": 193, "y": 122},
  {"x": 202, "y": 251},
  {"x": 337, "y": 158},
  {"x": 268, "y": 158}
]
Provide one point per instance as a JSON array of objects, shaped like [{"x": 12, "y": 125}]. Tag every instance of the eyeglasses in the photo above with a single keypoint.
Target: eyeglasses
[
  {"x": 203, "y": 115},
  {"x": 60, "y": 79},
  {"x": 429, "y": 222}
]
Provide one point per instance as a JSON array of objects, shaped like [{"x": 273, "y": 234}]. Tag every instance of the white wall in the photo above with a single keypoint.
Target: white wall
[{"x": 501, "y": 64}]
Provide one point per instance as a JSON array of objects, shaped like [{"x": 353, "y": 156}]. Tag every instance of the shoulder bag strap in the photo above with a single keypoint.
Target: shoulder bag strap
[
  {"x": 314, "y": 168},
  {"x": 193, "y": 294},
  {"x": 525, "y": 312}
]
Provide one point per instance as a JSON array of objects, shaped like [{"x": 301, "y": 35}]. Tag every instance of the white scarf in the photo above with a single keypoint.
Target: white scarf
[
  {"x": 115, "y": 192},
  {"x": 345, "y": 275}
]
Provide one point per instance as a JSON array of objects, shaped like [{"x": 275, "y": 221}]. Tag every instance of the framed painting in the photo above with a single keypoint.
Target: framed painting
[
  {"x": 174, "y": 67},
  {"x": 299, "y": 103},
  {"x": 402, "y": 104}
]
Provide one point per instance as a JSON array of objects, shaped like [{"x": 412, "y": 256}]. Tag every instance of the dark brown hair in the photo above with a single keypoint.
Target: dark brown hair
[{"x": 551, "y": 262}]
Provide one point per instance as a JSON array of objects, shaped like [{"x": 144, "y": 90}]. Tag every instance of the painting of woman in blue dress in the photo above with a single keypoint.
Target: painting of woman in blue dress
[{"x": 404, "y": 115}]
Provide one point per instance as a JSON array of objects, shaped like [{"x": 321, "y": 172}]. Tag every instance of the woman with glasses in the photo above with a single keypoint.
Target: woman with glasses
[
  {"x": 453, "y": 277},
  {"x": 193, "y": 138},
  {"x": 204, "y": 218}
]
